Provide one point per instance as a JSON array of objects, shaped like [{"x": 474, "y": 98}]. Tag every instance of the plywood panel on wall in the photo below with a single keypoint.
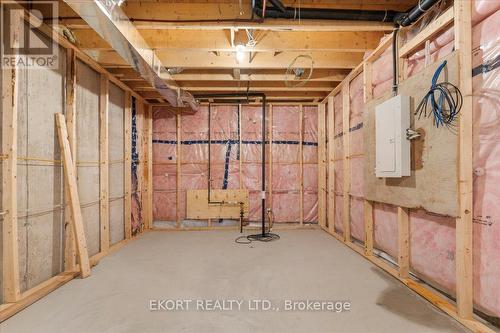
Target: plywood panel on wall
[
  {"x": 432, "y": 184},
  {"x": 199, "y": 208}
]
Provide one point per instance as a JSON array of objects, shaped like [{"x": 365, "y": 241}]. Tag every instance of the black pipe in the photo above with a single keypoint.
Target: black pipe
[
  {"x": 263, "y": 145},
  {"x": 400, "y": 18},
  {"x": 415, "y": 13},
  {"x": 327, "y": 14},
  {"x": 263, "y": 165},
  {"x": 395, "y": 61},
  {"x": 278, "y": 5}
]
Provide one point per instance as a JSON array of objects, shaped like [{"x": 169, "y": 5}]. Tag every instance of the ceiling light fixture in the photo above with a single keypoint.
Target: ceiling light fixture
[{"x": 240, "y": 53}]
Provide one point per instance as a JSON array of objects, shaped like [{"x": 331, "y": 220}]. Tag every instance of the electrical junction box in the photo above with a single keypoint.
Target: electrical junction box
[{"x": 392, "y": 148}]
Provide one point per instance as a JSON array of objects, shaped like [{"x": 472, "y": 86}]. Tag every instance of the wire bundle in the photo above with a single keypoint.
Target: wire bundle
[
  {"x": 267, "y": 237},
  {"x": 445, "y": 101}
]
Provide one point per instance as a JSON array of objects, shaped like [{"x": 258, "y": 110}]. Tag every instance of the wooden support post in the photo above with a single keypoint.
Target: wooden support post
[
  {"x": 179, "y": 175},
  {"x": 70, "y": 245},
  {"x": 104, "y": 163},
  {"x": 127, "y": 174},
  {"x": 240, "y": 166},
  {"x": 74, "y": 200},
  {"x": 322, "y": 165},
  {"x": 404, "y": 242},
  {"x": 331, "y": 165},
  {"x": 139, "y": 116},
  {"x": 367, "y": 81},
  {"x": 270, "y": 182},
  {"x": 464, "y": 229},
  {"x": 11, "y": 290},
  {"x": 301, "y": 162},
  {"x": 148, "y": 167},
  {"x": 347, "y": 170},
  {"x": 368, "y": 213}
]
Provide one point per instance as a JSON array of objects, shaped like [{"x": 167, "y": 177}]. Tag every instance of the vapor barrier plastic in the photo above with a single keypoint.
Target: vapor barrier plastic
[
  {"x": 432, "y": 253},
  {"x": 227, "y": 124}
]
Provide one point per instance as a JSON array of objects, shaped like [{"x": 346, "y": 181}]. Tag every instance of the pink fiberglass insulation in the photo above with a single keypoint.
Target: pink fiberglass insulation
[
  {"x": 339, "y": 155},
  {"x": 356, "y": 159},
  {"x": 286, "y": 163},
  {"x": 433, "y": 237},
  {"x": 486, "y": 147},
  {"x": 225, "y": 156},
  {"x": 251, "y": 136},
  {"x": 164, "y": 165},
  {"x": 385, "y": 226},
  {"x": 310, "y": 163}
]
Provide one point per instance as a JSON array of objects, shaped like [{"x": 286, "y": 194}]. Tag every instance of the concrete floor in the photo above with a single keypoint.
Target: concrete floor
[{"x": 303, "y": 265}]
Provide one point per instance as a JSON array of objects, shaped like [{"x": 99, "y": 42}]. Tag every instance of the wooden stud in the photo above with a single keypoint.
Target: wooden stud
[
  {"x": 240, "y": 169},
  {"x": 270, "y": 136},
  {"x": 404, "y": 242},
  {"x": 301, "y": 164},
  {"x": 464, "y": 227},
  {"x": 331, "y": 165},
  {"x": 427, "y": 33},
  {"x": 148, "y": 167},
  {"x": 367, "y": 81},
  {"x": 322, "y": 164},
  {"x": 104, "y": 163},
  {"x": 368, "y": 215},
  {"x": 139, "y": 116},
  {"x": 436, "y": 299},
  {"x": 179, "y": 175},
  {"x": 347, "y": 170},
  {"x": 70, "y": 250},
  {"x": 74, "y": 199},
  {"x": 128, "y": 166},
  {"x": 10, "y": 83}
]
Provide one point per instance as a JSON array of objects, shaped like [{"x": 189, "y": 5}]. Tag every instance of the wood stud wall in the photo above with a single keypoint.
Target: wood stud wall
[
  {"x": 104, "y": 162},
  {"x": 322, "y": 164},
  {"x": 463, "y": 310},
  {"x": 14, "y": 299},
  {"x": 70, "y": 112}
]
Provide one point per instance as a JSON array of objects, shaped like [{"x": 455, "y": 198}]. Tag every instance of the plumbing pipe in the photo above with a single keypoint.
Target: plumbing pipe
[{"x": 262, "y": 96}]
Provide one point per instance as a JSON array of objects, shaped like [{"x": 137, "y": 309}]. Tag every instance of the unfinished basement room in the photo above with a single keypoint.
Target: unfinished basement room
[{"x": 250, "y": 166}]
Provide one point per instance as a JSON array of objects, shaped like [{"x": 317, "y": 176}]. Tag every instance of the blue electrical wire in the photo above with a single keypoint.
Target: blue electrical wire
[{"x": 445, "y": 100}]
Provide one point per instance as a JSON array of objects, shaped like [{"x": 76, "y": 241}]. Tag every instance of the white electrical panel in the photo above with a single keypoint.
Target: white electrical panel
[{"x": 392, "y": 119}]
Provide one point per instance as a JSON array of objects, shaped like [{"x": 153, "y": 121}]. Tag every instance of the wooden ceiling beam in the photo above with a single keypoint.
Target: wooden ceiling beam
[
  {"x": 193, "y": 86},
  {"x": 312, "y": 95},
  {"x": 267, "y": 41},
  {"x": 198, "y": 15},
  {"x": 189, "y": 59},
  {"x": 329, "y": 75}
]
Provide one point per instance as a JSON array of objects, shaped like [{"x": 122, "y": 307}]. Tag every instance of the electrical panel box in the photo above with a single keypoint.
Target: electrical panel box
[{"x": 392, "y": 148}]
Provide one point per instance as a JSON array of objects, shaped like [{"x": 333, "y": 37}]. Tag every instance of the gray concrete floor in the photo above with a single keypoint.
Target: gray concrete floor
[{"x": 302, "y": 265}]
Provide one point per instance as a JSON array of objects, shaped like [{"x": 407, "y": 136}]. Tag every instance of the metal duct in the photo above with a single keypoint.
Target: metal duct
[{"x": 108, "y": 20}]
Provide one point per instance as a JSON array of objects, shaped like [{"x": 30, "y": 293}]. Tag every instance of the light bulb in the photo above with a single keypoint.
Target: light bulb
[{"x": 240, "y": 53}]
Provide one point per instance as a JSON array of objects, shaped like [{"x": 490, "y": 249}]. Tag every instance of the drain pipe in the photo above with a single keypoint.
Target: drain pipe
[
  {"x": 280, "y": 11},
  {"x": 262, "y": 96},
  {"x": 415, "y": 13},
  {"x": 404, "y": 19}
]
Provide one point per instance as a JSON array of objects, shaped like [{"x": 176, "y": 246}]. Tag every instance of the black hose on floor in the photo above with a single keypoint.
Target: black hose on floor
[{"x": 267, "y": 237}]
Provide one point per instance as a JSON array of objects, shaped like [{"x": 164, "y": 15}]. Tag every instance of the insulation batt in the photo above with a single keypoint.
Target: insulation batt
[
  {"x": 432, "y": 253},
  {"x": 225, "y": 158}
]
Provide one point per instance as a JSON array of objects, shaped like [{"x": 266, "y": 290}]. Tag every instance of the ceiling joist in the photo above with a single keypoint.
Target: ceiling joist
[{"x": 191, "y": 59}]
